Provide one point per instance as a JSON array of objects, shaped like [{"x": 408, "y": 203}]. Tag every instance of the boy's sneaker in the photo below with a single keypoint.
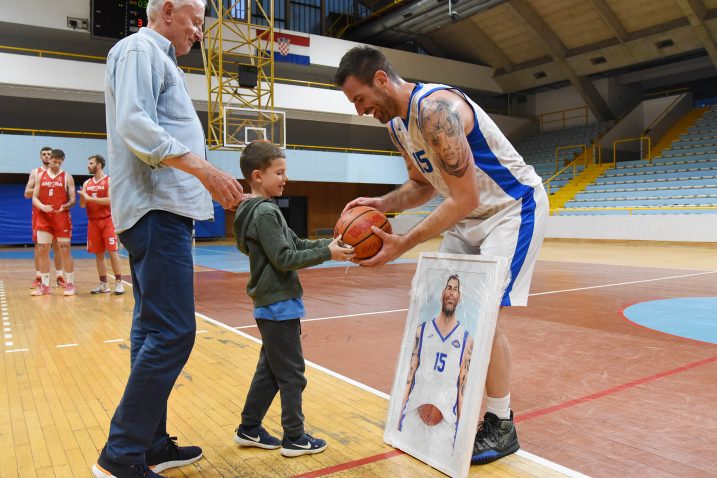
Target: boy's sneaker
[
  {"x": 305, "y": 445},
  {"x": 105, "y": 468},
  {"x": 60, "y": 281},
  {"x": 69, "y": 289},
  {"x": 257, "y": 437},
  {"x": 119, "y": 288},
  {"x": 495, "y": 439},
  {"x": 36, "y": 283},
  {"x": 103, "y": 288},
  {"x": 42, "y": 289},
  {"x": 173, "y": 455}
]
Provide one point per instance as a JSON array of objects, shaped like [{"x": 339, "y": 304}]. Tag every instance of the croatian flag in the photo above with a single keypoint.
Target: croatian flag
[{"x": 290, "y": 47}]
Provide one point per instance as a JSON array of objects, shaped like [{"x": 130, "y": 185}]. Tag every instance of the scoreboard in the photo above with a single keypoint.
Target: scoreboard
[{"x": 115, "y": 19}]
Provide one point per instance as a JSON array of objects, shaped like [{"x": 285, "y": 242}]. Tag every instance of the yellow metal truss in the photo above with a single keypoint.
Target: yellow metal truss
[{"x": 231, "y": 42}]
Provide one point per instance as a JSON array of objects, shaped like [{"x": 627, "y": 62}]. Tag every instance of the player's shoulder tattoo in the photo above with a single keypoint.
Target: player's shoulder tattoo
[{"x": 441, "y": 126}]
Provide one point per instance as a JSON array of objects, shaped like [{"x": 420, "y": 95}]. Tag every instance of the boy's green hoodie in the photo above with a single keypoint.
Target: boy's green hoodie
[{"x": 275, "y": 252}]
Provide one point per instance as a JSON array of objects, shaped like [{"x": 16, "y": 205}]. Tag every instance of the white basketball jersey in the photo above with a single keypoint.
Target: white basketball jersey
[
  {"x": 439, "y": 366},
  {"x": 502, "y": 176}
]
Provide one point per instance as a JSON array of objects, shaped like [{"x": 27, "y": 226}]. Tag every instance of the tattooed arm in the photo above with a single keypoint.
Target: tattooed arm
[
  {"x": 465, "y": 364},
  {"x": 412, "y": 369}
]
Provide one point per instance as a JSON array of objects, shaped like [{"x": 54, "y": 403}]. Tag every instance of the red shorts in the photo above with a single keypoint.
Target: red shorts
[
  {"x": 59, "y": 225},
  {"x": 101, "y": 236}
]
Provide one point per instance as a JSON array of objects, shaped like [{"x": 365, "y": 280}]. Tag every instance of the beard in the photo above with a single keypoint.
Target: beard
[{"x": 448, "y": 311}]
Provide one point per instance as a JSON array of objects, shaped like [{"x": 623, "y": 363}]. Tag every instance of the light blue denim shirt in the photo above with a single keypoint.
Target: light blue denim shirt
[{"x": 150, "y": 118}]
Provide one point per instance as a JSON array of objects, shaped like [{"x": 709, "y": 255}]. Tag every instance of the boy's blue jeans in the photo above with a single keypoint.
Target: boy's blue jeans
[{"x": 162, "y": 335}]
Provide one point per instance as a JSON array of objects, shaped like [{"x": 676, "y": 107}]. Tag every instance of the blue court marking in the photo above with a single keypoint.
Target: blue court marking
[
  {"x": 692, "y": 318},
  {"x": 223, "y": 258}
]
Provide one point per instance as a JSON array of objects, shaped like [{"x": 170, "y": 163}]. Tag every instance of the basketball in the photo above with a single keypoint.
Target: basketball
[
  {"x": 354, "y": 227},
  {"x": 430, "y": 414}
]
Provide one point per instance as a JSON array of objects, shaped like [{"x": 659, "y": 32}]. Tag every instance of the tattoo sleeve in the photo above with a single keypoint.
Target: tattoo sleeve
[{"x": 442, "y": 128}]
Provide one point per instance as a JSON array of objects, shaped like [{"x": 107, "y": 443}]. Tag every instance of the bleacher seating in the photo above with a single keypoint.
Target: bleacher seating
[
  {"x": 538, "y": 149},
  {"x": 685, "y": 175}
]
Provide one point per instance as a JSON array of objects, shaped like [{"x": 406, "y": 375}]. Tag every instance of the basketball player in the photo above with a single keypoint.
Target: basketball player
[
  {"x": 101, "y": 237},
  {"x": 54, "y": 196},
  {"x": 29, "y": 187},
  {"x": 494, "y": 203},
  {"x": 436, "y": 379}
]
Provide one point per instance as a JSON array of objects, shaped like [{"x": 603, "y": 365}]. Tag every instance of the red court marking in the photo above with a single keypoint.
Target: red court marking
[
  {"x": 520, "y": 418},
  {"x": 350, "y": 464}
]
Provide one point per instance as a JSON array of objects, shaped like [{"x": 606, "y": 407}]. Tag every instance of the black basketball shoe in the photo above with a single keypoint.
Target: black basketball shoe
[{"x": 495, "y": 439}]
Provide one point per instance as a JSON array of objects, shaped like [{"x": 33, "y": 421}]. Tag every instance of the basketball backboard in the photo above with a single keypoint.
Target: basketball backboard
[{"x": 244, "y": 125}]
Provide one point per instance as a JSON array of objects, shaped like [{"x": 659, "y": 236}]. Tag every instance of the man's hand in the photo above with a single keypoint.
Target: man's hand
[
  {"x": 377, "y": 203},
  {"x": 393, "y": 246},
  {"x": 46, "y": 208},
  {"x": 224, "y": 188}
]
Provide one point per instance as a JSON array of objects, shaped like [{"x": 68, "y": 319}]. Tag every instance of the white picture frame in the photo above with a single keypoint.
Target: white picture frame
[{"x": 437, "y": 361}]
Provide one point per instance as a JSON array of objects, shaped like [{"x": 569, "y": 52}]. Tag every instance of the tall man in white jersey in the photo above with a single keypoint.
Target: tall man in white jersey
[
  {"x": 29, "y": 188},
  {"x": 494, "y": 203},
  {"x": 436, "y": 379}
]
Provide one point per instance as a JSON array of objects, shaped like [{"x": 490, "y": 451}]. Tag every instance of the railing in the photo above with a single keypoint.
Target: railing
[
  {"x": 570, "y": 147},
  {"x": 54, "y": 132},
  {"x": 548, "y": 182},
  {"x": 564, "y": 117},
  {"x": 630, "y": 209},
  {"x": 188, "y": 69},
  {"x": 641, "y": 139}
]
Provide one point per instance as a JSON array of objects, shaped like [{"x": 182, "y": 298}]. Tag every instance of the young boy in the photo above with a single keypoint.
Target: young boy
[{"x": 275, "y": 254}]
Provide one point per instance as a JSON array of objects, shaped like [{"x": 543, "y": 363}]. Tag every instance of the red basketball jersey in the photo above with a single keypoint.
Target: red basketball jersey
[
  {"x": 52, "y": 190},
  {"x": 98, "y": 189},
  {"x": 38, "y": 173}
]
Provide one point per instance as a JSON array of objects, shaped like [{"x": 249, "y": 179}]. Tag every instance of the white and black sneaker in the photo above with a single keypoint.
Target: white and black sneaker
[
  {"x": 305, "y": 445},
  {"x": 257, "y": 437},
  {"x": 495, "y": 439}
]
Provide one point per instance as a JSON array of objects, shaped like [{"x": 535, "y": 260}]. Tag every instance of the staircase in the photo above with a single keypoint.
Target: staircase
[
  {"x": 572, "y": 188},
  {"x": 679, "y": 128}
]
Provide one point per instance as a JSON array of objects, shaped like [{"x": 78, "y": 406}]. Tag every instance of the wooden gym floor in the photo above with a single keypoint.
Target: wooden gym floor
[{"x": 593, "y": 392}]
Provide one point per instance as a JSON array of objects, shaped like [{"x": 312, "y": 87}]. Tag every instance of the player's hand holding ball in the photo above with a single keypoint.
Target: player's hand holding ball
[{"x": 341, "y": 251}]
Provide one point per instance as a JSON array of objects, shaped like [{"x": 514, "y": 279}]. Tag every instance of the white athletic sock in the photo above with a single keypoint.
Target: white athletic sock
[
  {"x": 70, "y": 277},
  {"x": 45, "y": 279},
  {"x": 499, "y": 407},
  {"x": 59, "y": 273},
  {"x": 38, "y": 274}
]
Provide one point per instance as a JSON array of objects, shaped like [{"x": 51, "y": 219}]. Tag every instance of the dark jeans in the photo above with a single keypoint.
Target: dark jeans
[
  {"x": 162, "y": 335},
  {"x": 280, "y": 368}
]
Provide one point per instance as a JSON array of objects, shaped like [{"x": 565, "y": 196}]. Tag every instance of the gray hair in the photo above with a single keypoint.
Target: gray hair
[{"x": 154, "y": 6}]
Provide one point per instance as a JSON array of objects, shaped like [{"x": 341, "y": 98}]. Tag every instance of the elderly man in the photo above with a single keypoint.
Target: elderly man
[{"x": 161, "y": 183}]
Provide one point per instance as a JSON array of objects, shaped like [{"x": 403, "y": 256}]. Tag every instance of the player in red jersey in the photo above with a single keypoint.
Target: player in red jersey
[
  {"x": 54, "y": 196},
  {"x": 101, "y": 237},
  {"x": 34, "y": 174}
]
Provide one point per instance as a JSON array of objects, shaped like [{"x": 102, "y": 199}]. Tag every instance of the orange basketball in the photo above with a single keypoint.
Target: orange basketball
[
  {"x": 354, "y": 227},
  {"x": 430, "y": 414}
]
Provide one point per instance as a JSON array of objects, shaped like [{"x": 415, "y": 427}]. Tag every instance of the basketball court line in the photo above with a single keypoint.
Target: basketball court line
[
  {"x": 529, "y": 295},
  {"x": 382, "y": 456}
]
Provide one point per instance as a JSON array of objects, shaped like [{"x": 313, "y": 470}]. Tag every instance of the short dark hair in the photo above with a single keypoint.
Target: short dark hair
[
  {"x": 363, "y": 62},
  {"x": 258, "y": 155},
  {"x": 99, "y": 159},
  {"x": 46, "y": 148},
  {"x": 453, "y": 277},
  {"x": 57, "y": 153}
]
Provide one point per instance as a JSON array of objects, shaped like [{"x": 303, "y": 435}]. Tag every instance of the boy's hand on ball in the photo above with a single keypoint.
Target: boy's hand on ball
[{"x": 340, "y": 251}]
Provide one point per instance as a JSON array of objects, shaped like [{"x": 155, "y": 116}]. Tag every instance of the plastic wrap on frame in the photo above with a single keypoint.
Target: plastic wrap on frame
[{"x": 439, "y": 382}]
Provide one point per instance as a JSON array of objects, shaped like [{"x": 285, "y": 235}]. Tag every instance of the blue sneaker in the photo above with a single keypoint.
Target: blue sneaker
[
  {"x": 172, "y": 456},
  {"x": 104, "y": 468},
  {"x": 257, "y": 437},
  {"x": 305, "y": 445}
]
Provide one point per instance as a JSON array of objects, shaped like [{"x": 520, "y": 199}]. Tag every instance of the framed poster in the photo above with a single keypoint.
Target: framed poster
[{"x": 438, "y": 386}]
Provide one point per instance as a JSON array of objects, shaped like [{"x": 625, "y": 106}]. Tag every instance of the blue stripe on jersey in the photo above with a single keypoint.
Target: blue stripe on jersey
[
  {"x": 458, "y": 384},
  {"x": 525, "y": 238},
  {"x": 416, "y": 89},
  {"x": 413, "y": 381},
  {"x": 393, "y": 131},
  {"x": 449, "y": 333}
]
